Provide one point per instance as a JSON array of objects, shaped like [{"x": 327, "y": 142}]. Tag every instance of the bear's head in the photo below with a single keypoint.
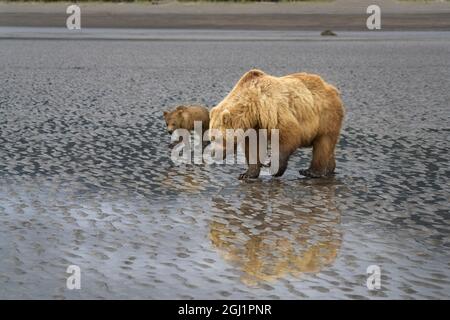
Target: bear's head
[
  {"x": 175, "y": 119},
  {"x": 235, "y": 116}
]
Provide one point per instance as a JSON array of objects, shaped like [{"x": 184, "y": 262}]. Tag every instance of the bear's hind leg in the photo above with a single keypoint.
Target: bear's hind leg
[{"x": 323, "y": 162}]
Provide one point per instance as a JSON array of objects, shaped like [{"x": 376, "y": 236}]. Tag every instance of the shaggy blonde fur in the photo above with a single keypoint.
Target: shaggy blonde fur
[{"x": 306, "y": 110}]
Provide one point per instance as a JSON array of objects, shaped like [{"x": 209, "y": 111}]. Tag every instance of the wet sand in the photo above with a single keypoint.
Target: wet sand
[
  {"x": 338, "y": 15},
  {"x": 86, "y": 176}
]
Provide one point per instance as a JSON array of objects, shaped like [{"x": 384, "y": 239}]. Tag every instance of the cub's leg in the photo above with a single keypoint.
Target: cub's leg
[
  {"x": 323, "y": 162},
  {"x": 174, "y": 143}
]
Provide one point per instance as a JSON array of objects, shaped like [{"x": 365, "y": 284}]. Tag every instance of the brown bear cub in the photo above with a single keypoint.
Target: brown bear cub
[
  {"x": 183, "y": 117},
  {"x": 307, "y": 111}
]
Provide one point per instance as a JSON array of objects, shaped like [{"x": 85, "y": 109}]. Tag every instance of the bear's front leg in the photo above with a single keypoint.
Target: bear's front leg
[
  {"x": 282, "y": 166},
  {"x": 252, "y": 159},
  {"x": 283, "y": 159},
  {"x": 251, "y": 173}
]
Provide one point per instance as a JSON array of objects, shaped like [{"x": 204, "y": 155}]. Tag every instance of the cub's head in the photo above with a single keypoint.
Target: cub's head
[{"x": 175, "y": 119}]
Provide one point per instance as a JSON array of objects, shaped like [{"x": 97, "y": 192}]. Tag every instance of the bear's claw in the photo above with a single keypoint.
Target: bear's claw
[
  {"x": 310, "y": 174},
  {"x": 246, "y": 175}
]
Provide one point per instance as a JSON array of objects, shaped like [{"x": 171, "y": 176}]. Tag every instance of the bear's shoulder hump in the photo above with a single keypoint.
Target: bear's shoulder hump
[{"x": 251, "y": 75}]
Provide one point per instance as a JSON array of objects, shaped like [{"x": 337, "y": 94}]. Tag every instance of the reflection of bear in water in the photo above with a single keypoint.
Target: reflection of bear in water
[{"x": 270, "y": 233}]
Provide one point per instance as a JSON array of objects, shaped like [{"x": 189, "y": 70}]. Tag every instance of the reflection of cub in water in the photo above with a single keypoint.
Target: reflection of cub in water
[{"x": 269, "y": 232}]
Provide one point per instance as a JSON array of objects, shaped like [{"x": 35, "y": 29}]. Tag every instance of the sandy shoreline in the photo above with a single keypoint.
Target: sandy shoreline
[{"x": 339, "y": 15}]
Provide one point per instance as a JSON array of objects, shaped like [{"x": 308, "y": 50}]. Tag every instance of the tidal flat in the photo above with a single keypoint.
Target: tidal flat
[{"x": 86, "y": 176}]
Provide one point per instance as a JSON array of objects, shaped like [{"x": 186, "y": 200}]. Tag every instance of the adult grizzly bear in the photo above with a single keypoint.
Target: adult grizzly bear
[{"x": 306, "y": 110}]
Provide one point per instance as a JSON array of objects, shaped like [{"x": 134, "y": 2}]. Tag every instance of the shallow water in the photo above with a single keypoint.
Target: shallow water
[{"x": 86, "y": 177}]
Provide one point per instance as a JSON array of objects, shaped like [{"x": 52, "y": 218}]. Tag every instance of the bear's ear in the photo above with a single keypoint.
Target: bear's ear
[
  {"x": 226, "y": 117},
  {"x": 181, "y": 108},
  {"x": 165, "y": 113}
]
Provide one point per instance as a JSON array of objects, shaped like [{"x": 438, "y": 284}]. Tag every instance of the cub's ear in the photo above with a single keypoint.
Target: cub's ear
[
  {"x": 226, "y": 117},
  {"x": 181, "y": 108},
  {"x": 165, "y": 114}
]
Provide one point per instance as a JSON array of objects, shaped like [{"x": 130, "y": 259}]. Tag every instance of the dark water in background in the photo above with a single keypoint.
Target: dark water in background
[{"x": 86, "y": 176}]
